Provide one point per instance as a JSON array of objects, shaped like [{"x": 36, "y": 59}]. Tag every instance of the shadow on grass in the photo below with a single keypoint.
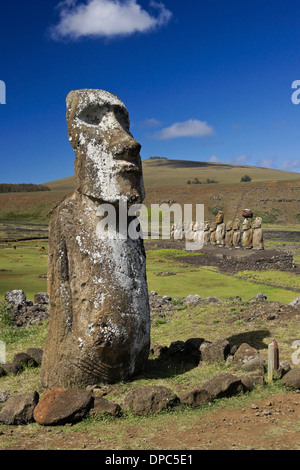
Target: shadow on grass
[
  {"x": 163, "y": 369},
  {"x": 253, "y": 338}
]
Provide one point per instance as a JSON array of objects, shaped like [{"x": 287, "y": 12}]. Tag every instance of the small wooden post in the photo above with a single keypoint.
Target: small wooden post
[
  {"x": 270, "y": 362},
  {"x": 276, "y": 354}
]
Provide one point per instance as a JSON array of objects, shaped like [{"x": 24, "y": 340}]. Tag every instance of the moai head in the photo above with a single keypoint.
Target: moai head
[
  {"x": 229, "y": 225},
  {"x": 247, "y": 224},
  {"x": 257, "y": 222},
  {"x": 220, "y": 217},
  {"x": 236, "y": 224},
  {"x": 107, "y": 157}
]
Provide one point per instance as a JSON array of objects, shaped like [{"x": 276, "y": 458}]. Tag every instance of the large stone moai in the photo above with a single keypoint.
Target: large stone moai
[
  {"x": 220, "y": 231},
  {"x": 247, "y": 236},
  {"x": 229, "y": 234},
  {"x": 206, "y": 233},
  {"x": 258, "y": 239},
  {"x": 236, "y": 237},
  {"x": 213, "y": 233},
  {"x": 99, "y": 326}
]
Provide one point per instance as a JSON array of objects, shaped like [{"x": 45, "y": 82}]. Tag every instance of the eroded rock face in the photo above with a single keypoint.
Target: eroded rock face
[
  {"x": 258, "y": 239},
  {"x": 99, "y": 327},
  {"x": 247, "y": 237}
]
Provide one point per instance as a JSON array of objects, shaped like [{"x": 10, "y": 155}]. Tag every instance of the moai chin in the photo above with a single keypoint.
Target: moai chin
[
  {"x": 229, "y": 234},
  {"x": 99, "y": 329},
  {"x": 236, "y": 237},
  {"x": 220, "y": 231},
  {"x": 258, "y": 240}
]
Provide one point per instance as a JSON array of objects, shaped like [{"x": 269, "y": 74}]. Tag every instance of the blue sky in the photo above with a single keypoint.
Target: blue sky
[{"x": 202, "y": 80}]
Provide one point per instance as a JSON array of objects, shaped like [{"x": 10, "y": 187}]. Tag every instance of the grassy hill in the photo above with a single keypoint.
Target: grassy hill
[{"x": 272, "y": 194}]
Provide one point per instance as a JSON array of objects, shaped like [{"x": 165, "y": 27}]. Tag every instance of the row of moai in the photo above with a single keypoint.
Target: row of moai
[{"x": 227, "y": 235}]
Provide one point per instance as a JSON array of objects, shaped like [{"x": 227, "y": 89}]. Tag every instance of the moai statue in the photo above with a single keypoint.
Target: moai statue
[
  {"x": 258, "y": 240},
  {"x": 206, "y": 233},
  {"x": 229, "y": 234},
  {"x": 236, "y": 237},
  {"x": 189, "y": 231},
  {"x": 220, "y": 232},
  {"x": 99, "y": 329},
  {"x": 247, "y": 236},
  {"x": 213, "y": 233}
]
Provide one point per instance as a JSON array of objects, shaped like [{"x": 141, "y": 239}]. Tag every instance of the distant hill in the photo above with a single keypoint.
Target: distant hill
[{"x": 271, "y": 194}]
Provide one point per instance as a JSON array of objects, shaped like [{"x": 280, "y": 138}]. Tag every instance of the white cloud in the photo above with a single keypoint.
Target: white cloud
[
  {"x": 214, "y": 159},
  {"x": 267, "y": 162},
  {"x": 190, "y": 128},
  {"x": 106, "y": 18},
  {"x": 290, "y": 165},
  {"x": 240, "y": 159},
  {"x": 150, "y": 123}
]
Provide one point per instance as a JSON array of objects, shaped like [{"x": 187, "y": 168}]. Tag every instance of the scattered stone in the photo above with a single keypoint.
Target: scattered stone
[
  {"x": 284, "y": 368},
  {"x": 223, "y": 385},
  {"x": 12, "y": 368},
  {"x": 62, "y": 405},
  {"x": 257, "y": 364},
  {"x": 3, "y": 397},
  {"x": 217, "y": 351},
  {"x": 258, "y": 298},
  {"x": 19, "y": 410},
  {"x": 15, "y": 297},
  {"x": 212, "y": 300},
  {"x": 295, "y": 302},
  {"x": 195, "y": 397},
  {"x": 292, "y": 378},
  {"x": 193, "y": 300},
  {"x": 24, "y": 359},
  {"x": 245, "y": 353},
  {"x": 42, "y": 298},
  {"x": 102, "y": 406},
  {"x": 149, "y": 399},
  {"x": 36, "y": 354}
]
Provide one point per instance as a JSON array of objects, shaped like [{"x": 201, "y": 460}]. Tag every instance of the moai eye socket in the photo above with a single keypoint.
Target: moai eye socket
[{"x": 93, "y": 114}]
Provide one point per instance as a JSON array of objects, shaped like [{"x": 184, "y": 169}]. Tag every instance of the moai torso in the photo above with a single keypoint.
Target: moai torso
[
  {"x": 258, "y": 240},
  {"x": 229, "y": 234},
  {"x": 236, "y": 237},
  {"x": 247, "y": 234},
  {"x": 213, "y": 234},
  {"x": 99, "y": 327},
  {"x": 206, "y": 233},
  {"x": 220, "y": 231}
]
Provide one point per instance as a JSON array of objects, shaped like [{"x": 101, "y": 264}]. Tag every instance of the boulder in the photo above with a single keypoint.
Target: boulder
[
  {"x": 12, "y": 368},
  {"x": 295, "y": 302},
  {"x": 258, "y": 298},
  {"x": 15, "y": 297},
  {"x": 193, "y": 300},
  {"x": 19, "y": 410},
  {"x": 195, "y": 397},
  {"x": 245, "y": 353},
  {"x": 212, "y": 300},
  {"x": 24, "y": 359},
  {"x": 257, "y": 364},
  {"x": 223, "y": 385},
  {"x": 62, "y": 405},
  {"x": 217, "y": 351},
  {"x": 292, "y": 378},
  {"x": 42, "y": 298},
  {"x": 149, "y": 399},
  {"x": 102, "y": 406},
  {"x": 36, "y": 354}
]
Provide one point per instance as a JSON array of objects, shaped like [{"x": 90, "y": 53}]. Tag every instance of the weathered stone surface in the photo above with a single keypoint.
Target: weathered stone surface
[
  {"x": 19, "y": 410},
  {"x": 192, "y": 300},
  {"x": 245, "y": 353},
  {"x": 102, "y": 406},
  {"x": 99, "y": 327},
  {"x": 195, "y": 397},
  {"x": 258, "y": 237},
  {"x": 229, "y": 234},
  {"x": 217, "y": 351},
  {"x": 206, "y": 237},
  {"x": 61, "y": 406},
  {"x": 247, "y": 237},
  {"x": 24, "y": 358},
  {"x": 258, "y": 298},
  {"x": 213, "y": 234},
  {"x": 223, "y": 385},
  {"x": 15, "y": 297},
  {"x": 12, "y": 368},
  {"x": 149, "y": 400},
  {"x": 220, "y": 230},
  {"x": 236, "y": 237},
  {"x": 292, "y": 378},
  {"x": 42, "y": 298},
  {"x": 36, "y": 354},
  {"x": 295, "y": 302},
  {"x": 257, "y": 364}
]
